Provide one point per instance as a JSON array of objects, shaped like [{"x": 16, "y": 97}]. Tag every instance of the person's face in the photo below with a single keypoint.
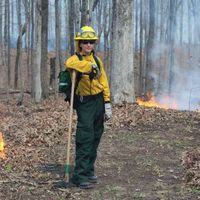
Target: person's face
[{"x": 87, "y": 46}]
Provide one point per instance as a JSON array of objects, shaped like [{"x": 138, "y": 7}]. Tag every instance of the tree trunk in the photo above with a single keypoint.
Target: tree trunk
[
  {"x": 1, "y": 35},
  {"x": 181, "y": 24},
  {"x": 171, "y": 42},
  {"x": 150, "y": 45},
  {"x": 27, "y": 6},
  {"x": 57, "y": 39},
  {"x": 84, "y": 13},
  {"x": 44, "y": 49},
  {"x": 7, "y": 40},
  {"x": 76, "y": 9},
  {"x": 122, "y": 70},
  {"x": 19, "y": 44},
  {"x": 9, "y": 65},
  {"x": 136, "y": 24},
  {"x": 18, "y": 64},
  {"x": 71, "y": 26},
  {"x": 37, "y": 86},
  {"x": 99, "y": 21},
  {"x": 32, "y": 47},
  {"x": 66, "y": 16},
  {"x": 106, "y": 32},
  {"x": 6, "y": 46},
  {"x": 161, "y": 54},
  {"x": 141, "y": 71}
]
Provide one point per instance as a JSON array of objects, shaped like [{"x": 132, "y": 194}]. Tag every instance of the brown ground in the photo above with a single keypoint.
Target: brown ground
[{"x": 141, "y": 155}]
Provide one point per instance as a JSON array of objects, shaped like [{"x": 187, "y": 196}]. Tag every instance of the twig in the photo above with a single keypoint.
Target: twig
[{"x": 13, "y": 178}]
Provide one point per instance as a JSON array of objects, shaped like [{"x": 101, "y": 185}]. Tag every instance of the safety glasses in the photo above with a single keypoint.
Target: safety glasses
[{"x": 88, "y": 41}]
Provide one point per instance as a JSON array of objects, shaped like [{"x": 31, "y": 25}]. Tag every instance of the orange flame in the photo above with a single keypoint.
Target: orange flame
[
  {"x": 150, "y": 101},
  {"x": 2, "y": 150}
]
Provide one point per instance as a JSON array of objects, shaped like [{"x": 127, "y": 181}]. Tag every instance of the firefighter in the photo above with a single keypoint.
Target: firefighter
[{"x": 92, "y": 104}]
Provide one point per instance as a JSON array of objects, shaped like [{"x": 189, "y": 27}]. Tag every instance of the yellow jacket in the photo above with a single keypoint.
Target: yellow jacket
[{"x": 86, "y": 86}]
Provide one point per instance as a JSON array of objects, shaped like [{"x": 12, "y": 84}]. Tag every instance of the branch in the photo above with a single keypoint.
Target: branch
[{"x": 95, "y": 4}]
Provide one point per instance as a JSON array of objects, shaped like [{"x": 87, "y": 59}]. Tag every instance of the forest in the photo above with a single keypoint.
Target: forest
[{"x": 150, "y": 50}]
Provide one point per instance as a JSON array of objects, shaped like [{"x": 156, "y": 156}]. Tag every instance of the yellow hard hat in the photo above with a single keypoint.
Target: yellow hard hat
[{"x": 86, "y": 33}]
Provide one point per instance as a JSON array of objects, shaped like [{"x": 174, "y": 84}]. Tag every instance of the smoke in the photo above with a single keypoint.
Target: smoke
[{"x": 185, "y": 87}]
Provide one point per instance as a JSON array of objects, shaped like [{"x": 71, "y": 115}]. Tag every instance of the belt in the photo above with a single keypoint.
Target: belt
[{"x": 89, "y": 97}]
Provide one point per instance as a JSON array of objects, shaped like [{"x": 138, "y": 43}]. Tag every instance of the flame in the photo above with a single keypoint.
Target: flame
[
  {"x": 2, "y": 149},
  {"x": 151, "y": 101}
]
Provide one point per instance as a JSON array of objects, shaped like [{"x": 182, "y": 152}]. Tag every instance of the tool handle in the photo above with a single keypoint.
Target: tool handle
[{"x": 70, "y": 125}]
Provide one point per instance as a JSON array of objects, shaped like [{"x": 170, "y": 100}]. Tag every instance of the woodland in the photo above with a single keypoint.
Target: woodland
[{"x": 150, "y": 50}]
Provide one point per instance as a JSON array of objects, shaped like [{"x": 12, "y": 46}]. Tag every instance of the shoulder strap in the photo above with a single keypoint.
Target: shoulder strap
[
  {"x": 79, "y": 56},
  {"x": 97, "y": 61},
  {"x": 95, "y": 58},
  {"x": 79, "y": 74}
]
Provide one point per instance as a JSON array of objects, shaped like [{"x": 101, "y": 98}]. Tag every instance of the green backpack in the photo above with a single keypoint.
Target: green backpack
[{"x": 64, "y": 79}]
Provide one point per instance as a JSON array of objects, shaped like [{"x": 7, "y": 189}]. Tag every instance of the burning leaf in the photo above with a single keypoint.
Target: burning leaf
[
  {"x": 150, "y": 101},
  {"x": 2, "y": 144}
]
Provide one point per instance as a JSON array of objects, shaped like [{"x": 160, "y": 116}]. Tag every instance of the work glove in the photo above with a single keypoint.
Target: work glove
[
  {"x": 108, "y": 111},
  {"x": 95, "y": 73}
]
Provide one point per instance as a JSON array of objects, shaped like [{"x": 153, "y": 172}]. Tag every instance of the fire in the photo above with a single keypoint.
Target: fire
[
  {"x": 2, "y": 149},
  {"x": 151, "y": 101},
  {"x": 148, "y": 103}
]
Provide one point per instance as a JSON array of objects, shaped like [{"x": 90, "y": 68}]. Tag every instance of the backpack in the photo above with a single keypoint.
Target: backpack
[{"x": 64, "y": 79}]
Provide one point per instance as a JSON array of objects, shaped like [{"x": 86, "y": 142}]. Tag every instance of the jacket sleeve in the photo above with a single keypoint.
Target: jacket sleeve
[
  {"x": 82, "y": 66},
  {"x": 104, "y": 81}
]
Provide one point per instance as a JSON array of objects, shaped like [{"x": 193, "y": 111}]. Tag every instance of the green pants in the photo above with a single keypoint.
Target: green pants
[{"x": 90, "y": 112}]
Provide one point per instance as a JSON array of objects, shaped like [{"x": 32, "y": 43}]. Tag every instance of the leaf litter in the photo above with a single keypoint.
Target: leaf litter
[{"x": 36, "y": 139}]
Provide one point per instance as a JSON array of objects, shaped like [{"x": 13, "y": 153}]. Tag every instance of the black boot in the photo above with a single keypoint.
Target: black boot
[
  {"x": 93, "y": 179},
  {"x": 86, "y": 185}
]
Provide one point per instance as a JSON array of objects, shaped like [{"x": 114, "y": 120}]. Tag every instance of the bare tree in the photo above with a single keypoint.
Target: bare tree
[
  {"x": 171, "y": 37},
  {"x": 58, "y": 32},
  {"x": 77, "y": 14},
  {"x": 12, "y": 16},
  {"x": 32, "y": 47},
  {"x": 136, "y": 24},
  {"x": 8, "y": 36},
  {"x": 71, "y": 25},
  {"x": 141, "y": 69},
  {"x": 18, "y": 66},
  {"x": 27, "y": 7},
  {"x": 66, "y": 16},
  {"x": 95, "y": 2},
  {"x": 40, "y": 79},
  {"x": 44, "y": 49},
  {"x": 122, "y": 70},
  {"x": 7, "y": 39},
  {"x": 19, "y": 43},
  {"x": 150, "y": 45},
  {"x": 181, "y": 23},
  {"x": 99, "y": 13},
  {"x": 106, "y": 32},
  {"x": 37, "y": 86},
  {"x": 84, "y": 13},
  {"x": 1, "y": 31}
]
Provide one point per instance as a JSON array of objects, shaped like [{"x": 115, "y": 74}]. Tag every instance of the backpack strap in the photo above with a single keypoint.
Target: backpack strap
[
  {"x": 79, "y": 74},
  {"x": 97, "y": 61},
  {"x": 95, "y": 58}
]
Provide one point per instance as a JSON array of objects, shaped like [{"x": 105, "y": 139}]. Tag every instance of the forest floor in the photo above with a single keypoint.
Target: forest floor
[{"x": 145, "y": 153}]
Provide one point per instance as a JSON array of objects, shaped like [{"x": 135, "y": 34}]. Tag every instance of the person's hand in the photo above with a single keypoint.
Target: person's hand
[
  {"x": 108, "y": 111},
  {"x": 95, "y": 72}
]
